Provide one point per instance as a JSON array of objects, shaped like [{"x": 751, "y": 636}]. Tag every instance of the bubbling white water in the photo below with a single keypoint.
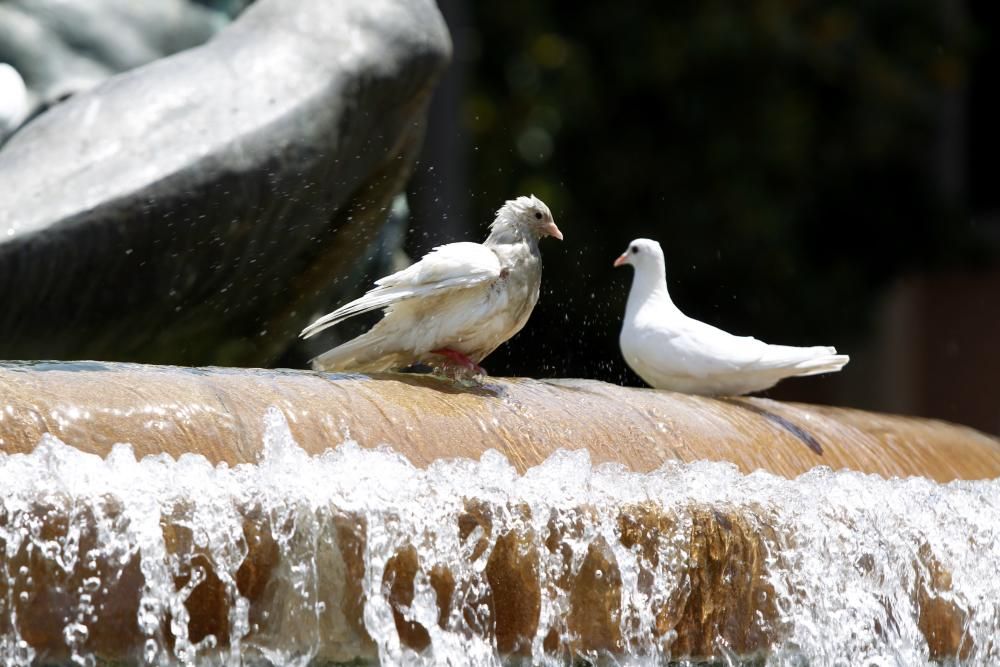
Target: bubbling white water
[{"x": 844, "y": 551}]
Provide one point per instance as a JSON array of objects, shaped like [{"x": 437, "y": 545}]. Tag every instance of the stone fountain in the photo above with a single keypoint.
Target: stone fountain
[
  {"x": 200, "y": 209},
  {"x": 287, "y": 515}
]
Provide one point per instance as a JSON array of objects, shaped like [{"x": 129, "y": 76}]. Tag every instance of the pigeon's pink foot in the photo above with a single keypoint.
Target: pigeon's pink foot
[{"x": 459, "y": 359}]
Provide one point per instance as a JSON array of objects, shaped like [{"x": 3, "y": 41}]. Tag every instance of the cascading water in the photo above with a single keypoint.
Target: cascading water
[{"x": 356, "y": 553}]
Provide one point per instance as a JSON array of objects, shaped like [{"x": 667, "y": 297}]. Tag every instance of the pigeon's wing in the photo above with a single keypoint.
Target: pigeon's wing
[
  {"x": 447, "y": 266},
  {"x": 453, "y": 266},
  {"x": 700, "y": 350},
  {"x": 712, "y": 350}
]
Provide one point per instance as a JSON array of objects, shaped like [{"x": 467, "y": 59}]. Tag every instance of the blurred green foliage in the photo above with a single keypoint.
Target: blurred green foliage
[{"x": 787, "y": 154}]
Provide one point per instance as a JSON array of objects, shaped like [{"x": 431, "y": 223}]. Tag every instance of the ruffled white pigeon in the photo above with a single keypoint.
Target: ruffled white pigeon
[
  {"x": 669, "y": 350},
  {"x": 460, "y": 301}
]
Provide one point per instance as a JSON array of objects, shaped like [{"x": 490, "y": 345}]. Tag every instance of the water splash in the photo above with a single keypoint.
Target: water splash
[{"x": 357, "y": 553}]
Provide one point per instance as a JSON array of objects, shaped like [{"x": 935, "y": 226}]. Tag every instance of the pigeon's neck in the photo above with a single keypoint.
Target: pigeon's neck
[
  {"x": 500, "y": 235},
  {"x": 649, "y": 288},
  {"x": 510, "y": 235}
]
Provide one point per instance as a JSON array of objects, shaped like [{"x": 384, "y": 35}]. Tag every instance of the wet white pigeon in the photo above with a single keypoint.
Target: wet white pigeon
[
  {"x": 670, "y": 350},
  {"x": 459, "y": 302}
]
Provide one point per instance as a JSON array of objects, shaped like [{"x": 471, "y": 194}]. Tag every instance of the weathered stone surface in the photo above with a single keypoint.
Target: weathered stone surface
[
  {"x": 197, "y": 209},
  {"x": 218, "y": 412},
  {"x": 516, "y": 599},
  {"x": 722, "y": 590}
]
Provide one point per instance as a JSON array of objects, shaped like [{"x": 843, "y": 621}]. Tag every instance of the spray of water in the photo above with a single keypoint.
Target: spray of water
[{"x": 358, "y": 554}]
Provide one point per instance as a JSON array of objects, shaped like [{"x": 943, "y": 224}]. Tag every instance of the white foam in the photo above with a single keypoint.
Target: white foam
[{"x": 844, "y": 563}]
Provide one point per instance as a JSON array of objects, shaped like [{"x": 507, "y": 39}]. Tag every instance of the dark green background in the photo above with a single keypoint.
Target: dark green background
[{"x": 793, "y": 158}]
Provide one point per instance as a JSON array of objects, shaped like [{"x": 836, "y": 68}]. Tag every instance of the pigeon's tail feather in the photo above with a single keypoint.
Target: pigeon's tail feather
[
  {"x": 803, "y": 360},
  {"x": 344, "y": 357},
  {"x": 364, "y": 354},
  {"x": 373, "y": 300},
  {"x": 830, "y": 364},
  {"x": 825, "y": 360}
]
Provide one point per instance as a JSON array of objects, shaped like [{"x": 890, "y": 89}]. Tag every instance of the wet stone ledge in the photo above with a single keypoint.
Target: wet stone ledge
[{"x": 286, "y": 515}]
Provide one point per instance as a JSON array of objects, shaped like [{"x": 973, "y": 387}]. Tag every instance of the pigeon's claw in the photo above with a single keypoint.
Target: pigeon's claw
[{"x": 459, "y": 359}]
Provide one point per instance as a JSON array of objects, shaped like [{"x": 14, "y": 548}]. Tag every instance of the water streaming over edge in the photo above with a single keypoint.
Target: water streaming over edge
[{"x": 845, "y": 552}]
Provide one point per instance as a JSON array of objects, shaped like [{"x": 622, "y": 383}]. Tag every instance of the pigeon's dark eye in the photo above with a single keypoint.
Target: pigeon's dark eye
[
  {"x": 538, "y": 216},
  {"x": 635, "y": 249}
]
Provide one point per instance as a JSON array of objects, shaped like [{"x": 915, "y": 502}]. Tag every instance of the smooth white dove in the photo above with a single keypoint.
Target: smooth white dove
[
  {"x": 459, "y": 302},
  {"x": 670, "y": 350}
]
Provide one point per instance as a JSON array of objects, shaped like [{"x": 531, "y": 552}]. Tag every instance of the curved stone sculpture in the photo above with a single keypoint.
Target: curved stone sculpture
[
  {"x": 197, "y": 209},
  {"x": 289, "y": 571},
  {"x": 63, "y": 48}
]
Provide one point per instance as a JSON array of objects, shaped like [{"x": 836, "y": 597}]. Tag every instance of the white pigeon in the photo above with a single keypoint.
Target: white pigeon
[
  {"x": 459, "y": 302},
  {"x": 670, "y": 350}
]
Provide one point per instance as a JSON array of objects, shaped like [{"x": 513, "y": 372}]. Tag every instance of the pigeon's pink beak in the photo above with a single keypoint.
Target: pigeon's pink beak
[
  {"x": 551, "y": 229},
  {"x": 622, "y": 261}
]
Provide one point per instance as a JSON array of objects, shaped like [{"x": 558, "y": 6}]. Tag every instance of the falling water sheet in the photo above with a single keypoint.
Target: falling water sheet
[{"x": 845, "y": 557}]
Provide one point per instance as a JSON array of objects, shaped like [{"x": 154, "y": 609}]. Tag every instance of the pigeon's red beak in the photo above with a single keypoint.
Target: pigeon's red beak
[
  {"x": 551, "y": 229},
  {"x": 621, "y": 261}
]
